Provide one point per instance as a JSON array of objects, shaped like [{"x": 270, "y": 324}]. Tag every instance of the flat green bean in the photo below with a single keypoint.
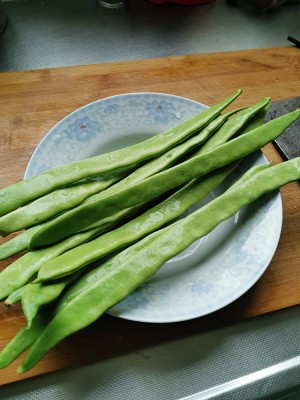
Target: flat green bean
[
  {"x": 52, "y": 204},
  {"x": 100, "y": 289},
  {"x": 30, "y": 189},
  {"x": 24, "y": 339},
  {"x": 234, "y": 125},
  {"x": 166, "y": 159},
  {"x": 22, "y": 240},
  {"x": 144, "y": 172},
  {"x": 37, "y": 295},
  {"x": 257, "y": 121},
  {"x": 155, "y": 166},
  {"x": 15, "y": 296},
  {"x": 133, "y": 230},
  {"x": 154, "y": 186},
  {"x": 249, "y": 173},
  {"x": 25, "y": 267},
  {"x": 18, "y": 243}
]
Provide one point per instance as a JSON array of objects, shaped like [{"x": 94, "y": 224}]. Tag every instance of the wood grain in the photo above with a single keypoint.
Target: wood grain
[{"x": 32, "y": 102}]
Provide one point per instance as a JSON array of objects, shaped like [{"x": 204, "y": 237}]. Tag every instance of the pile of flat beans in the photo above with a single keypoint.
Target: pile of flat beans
[{"x": 92, "y": 231}]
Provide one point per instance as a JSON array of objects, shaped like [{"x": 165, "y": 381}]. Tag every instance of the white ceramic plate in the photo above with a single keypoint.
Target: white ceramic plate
[{"x": 215, "y": 270}]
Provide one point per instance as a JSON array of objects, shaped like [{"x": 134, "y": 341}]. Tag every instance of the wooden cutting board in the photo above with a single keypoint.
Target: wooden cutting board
[{"x": 32, "y": 102}]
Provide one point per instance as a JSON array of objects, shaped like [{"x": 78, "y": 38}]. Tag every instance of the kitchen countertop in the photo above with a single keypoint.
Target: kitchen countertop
[{"x": 65, "y": 41}]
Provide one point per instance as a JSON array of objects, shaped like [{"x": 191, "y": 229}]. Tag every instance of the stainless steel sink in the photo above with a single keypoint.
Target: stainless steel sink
[
  {"x": 55, "y": 33},
  {"x": 252, "y": 360}
]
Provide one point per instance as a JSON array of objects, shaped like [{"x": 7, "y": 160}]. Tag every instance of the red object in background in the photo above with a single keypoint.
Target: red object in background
[{"x": 182, "y": 2}]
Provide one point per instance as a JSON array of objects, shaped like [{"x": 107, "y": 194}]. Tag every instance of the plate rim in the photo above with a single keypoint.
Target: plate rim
[{"x": 277, "y": 194}]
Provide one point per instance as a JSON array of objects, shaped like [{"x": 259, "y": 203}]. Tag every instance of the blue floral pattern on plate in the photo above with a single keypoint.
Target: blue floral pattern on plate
[
  {"x": 212, "y": 272},
  {"x": 83, "y": 129},
  {"x": 104, "y": 124},
  {"x": 161, "y": 111}
]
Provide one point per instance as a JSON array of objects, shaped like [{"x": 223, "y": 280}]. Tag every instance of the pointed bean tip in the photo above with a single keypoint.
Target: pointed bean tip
[
  {"x": 21, "y": 370},
  {"x": 297, "y": 112},
  {"x": 238, "y": 92},
  {"x": 37, "y": 280},
  {"x": 29, "y": 322},
  {"x": 294, "y": 114}
]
